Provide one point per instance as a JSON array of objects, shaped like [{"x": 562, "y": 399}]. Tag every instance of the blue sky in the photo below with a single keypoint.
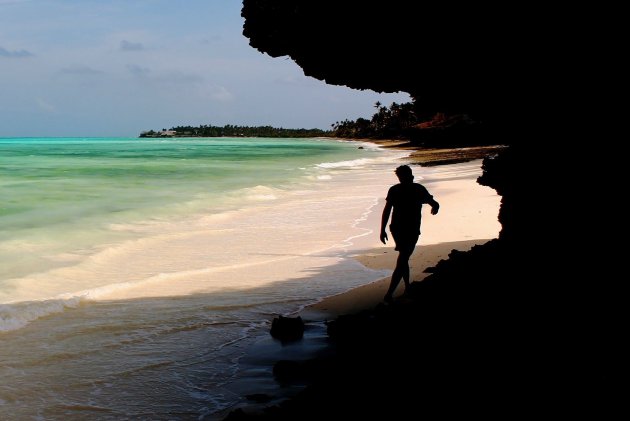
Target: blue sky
[{"x": 118, "y": 67}]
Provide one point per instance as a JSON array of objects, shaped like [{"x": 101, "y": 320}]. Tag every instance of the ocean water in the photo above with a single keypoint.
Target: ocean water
[{"x": 136, "y": 273}]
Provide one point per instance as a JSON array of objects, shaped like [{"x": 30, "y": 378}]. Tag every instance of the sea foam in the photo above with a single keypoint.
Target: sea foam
[{"x": 17, "y": 315}]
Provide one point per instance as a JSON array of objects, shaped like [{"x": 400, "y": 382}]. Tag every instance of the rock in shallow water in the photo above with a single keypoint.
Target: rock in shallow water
[{"x": 287, "y": 328}]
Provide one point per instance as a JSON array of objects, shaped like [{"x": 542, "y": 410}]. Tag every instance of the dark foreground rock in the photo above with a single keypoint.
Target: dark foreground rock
[
  {"x": 467, "y": 341},
  {"x": 287, "y": 328},
  {"x": 488, "y": 334},
  {"x": 525, "y": 325}
]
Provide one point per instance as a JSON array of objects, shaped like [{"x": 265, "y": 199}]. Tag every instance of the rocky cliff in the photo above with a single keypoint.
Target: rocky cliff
[
  {"x": 500, "y": 331},
  {"x": 449, "y": 57}
]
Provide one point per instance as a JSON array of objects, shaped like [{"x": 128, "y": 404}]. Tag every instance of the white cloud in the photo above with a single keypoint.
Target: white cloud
[
  {"x": 138, "y": 71},
  {"x": 80, "y": 70},
  {"x": 15, "y": 53},
  {"x": 131, "y": 46}
]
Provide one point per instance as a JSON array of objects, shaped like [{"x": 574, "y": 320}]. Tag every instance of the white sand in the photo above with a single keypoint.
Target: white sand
[{"x": 468, "y": 216}]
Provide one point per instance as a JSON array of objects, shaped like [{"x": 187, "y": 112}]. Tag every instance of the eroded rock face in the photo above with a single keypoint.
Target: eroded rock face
[{"x": 450, "y": 58}]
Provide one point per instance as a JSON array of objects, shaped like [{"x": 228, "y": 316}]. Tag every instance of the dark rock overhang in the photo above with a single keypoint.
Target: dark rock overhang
[{"x": 448, "y": 57}]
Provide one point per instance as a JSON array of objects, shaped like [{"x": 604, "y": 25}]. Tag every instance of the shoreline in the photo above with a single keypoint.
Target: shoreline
[
  {"x": 432, "y": 248},
  {"x": 426, "y": 255},
  {"x": 367, "y": 296},
  {"x": 435, "y": 156}
]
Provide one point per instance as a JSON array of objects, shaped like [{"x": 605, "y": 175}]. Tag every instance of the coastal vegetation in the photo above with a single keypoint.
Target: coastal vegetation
[
  {"x": 230, "y": 130},
  {"x": 407, "y": 122},
  {"x": 398, "y": 121}
]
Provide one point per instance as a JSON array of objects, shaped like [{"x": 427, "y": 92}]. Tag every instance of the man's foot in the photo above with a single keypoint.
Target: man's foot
[{"x": 388, "y": 298}]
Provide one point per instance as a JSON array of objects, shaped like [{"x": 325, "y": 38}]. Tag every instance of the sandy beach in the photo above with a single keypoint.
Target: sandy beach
[
  {"x": 368, "y": 296},
  {"x": 467, "y": 217}
]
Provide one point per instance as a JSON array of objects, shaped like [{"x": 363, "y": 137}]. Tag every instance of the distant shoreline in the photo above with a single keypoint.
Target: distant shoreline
[
  {"x": 234, "y": 131},
  {"x": 428, "y": 156}
]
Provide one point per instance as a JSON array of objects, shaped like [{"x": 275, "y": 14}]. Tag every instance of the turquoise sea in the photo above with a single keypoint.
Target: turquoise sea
[{"x": 136, "y": 273}]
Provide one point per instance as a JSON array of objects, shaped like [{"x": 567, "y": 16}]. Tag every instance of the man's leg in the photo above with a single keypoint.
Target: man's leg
[
  {"x": 407, "y": 271},
  {"x": 400, "y": 272}
]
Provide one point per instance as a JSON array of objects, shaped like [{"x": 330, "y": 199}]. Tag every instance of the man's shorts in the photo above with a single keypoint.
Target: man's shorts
[{"x": 405, "y": 240}]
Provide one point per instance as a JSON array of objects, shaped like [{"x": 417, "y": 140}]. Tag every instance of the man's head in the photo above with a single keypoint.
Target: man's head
[{"x": 404, "y": 173}]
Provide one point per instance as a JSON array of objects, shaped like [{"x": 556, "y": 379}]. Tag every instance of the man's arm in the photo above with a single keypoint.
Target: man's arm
[
  {"x": 386, "y": 211},
  {"x": 435, "y": 206}
]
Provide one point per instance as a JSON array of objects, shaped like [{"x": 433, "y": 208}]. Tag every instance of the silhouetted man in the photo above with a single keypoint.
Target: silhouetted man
[{"x": 406, "y": 198}]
